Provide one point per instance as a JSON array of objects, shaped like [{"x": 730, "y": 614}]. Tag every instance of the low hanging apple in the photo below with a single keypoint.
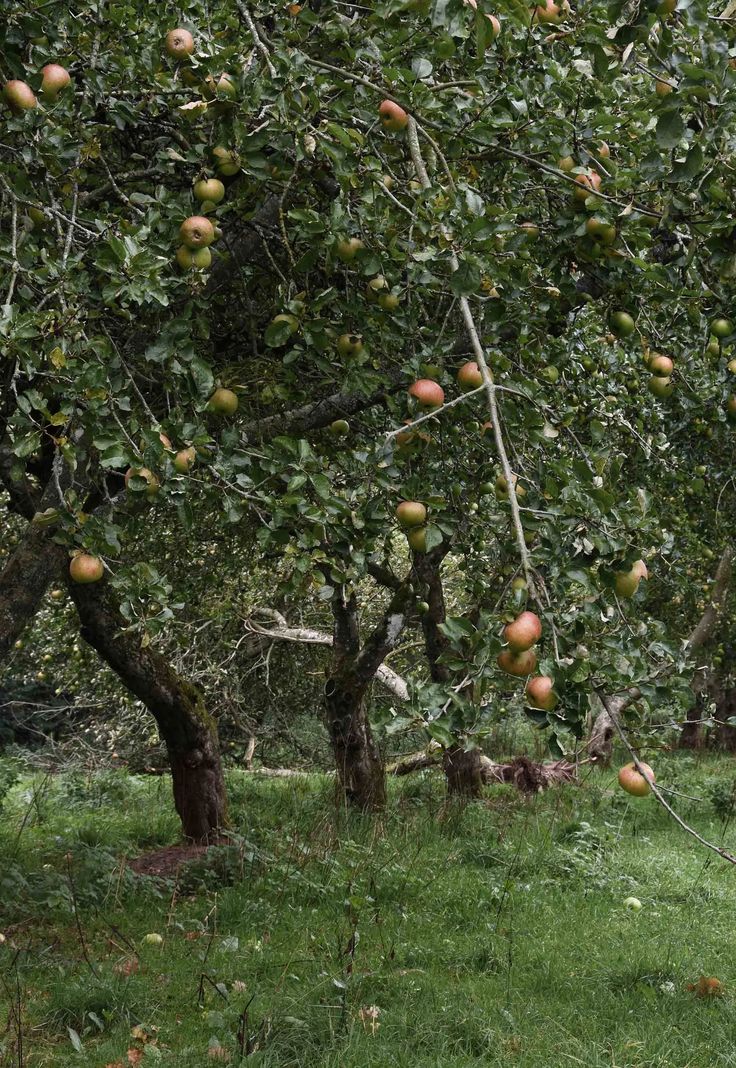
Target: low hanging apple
[
  {"x": 427, "y": 393},
  {"x": 197, "y": 232},
  {"x": 540, "y": 693},
  {"x": 469, "y": 377},
  {"x": 633, "y": 782},
  {"x": 518, "y": 664},
  {"x": 393, "y": 116},
  {"x": 19, "y": 96},
  {"x": 55, "y": 79},
  {"x": 523, "y": 632}
]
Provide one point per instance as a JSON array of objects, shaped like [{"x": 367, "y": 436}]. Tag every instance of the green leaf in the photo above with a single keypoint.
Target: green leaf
[
  {"x": 670, "y": 129},
  {"x": 465, "y": 280}
]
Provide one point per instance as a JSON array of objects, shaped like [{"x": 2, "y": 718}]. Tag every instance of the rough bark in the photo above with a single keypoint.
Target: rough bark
[
  {"x": 187, "y": 729},
  {"x": 600, "y": 741},
  {"x": 358, "y": 761},
  {"x": 463, "y": 771}
]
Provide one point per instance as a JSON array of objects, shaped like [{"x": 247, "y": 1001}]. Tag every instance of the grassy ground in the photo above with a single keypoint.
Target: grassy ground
[{"x": 435, "y": 938}]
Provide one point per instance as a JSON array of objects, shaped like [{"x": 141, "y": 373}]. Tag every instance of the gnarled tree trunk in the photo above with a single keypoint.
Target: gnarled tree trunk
[
  {"x": 187, "y": 729},
  {"x": 465, "y": 771},
  {"x": 23, "y": 582},
  {"x": 360, "y": 771}
]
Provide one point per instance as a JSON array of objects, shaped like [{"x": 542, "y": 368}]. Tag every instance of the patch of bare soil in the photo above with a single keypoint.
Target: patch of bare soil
[{"x": 162, "y": 863}]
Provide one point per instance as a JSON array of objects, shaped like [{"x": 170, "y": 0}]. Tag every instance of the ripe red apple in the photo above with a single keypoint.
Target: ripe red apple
[
  {"x": 523, "y": 632},
  {"x": 210, "y": 189},
  {"x": 630, "y": 780},
  {"x": 184, "y": 460},
  {"x": 469, "y": 376},
  {"x": 223, "y": 402},
  {"x": 55, "y": 78},
  {"x": 86, "y": 568},
  {"x": 540, "y": 693},
  {"x": 197, "y": 232},
  {"x": 152, "y": 483},
  {"x": 19, "y": 96},
  {"x": 179, "y": 43},
  {"x": 393, "y": 116},
  {"x": 640, "y": 568},
  {"x": 662, "y": 366},
  {"x": 429, "y": 394},
  {"x": 518, "y": 664},
  {"x": 589, "y": 182},
  {"x": 411, "y": 514}
]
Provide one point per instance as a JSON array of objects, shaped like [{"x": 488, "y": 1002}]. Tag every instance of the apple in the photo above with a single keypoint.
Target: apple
[
  {"x": 417, "y": 538},
  {"x": 518, "y": 664},
  {"x": 601, "y": 230},
  {"x": 540, "y": 693},
  {"x": 210, "y": 189},
  {"x": 152, "y": 483},
  {"x": 184, "y": 460},
  {"x": 348, "y": 248},
  {"x": 626, "y": 583},
  {"x": 197, "y": 232},
  {"x": 721, "y": 328},
  {"x": 566, "y": 164},
  {"x": 85, "y": 568},
  {"x": 549, "y": 12},
  {"x": 349, "y": 344},
  {"x": 523, "y": 632},
  {"x": 632, "y": 903},
  {"x": 153, "y": 939},
  {"x": 661, "y": 366},
  {"x": 588, "y": 183},
  {"x": 662, "y": 88},
  {"x": 713, "y": 348},
  {"x": 56, "y": 595},
  {"x": 411, "y": 514},
  {"x": 19, "y": 96},
  {"x": 621, "y": 324},
  {"x": 55, "y": 78},
  {"x": 393, "y": 116},
  {"x": 731, "y": 405},
  {"x": 640, "y": 568},
  {"x": 222, "y": 86},
  {"x": 179, "y": 43},
  {"x": 427, "y": 393},
  {"x": 339, "y": 428},
  {"x": 604, "y": 151},
  {"x": 502, "y": 488},
  {"x": 495, "y": 26},
  {"x": 191, "y": 259},
  {"x": 633, "y": 782},
  {"x": 661, "y": 387},
  {"x": 388, "y": 301},
  {"x": 226, "y": 160},
  {"x": 469, "y": 376},
  {"x": 374, "y": 287},
  {"x": 223, "y": 402}
]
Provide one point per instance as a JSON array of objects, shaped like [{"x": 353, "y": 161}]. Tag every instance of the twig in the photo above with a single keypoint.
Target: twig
[{"x": 248, "y": 18}]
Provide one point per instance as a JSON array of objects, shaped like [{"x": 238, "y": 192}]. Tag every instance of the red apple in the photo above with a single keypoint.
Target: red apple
[
  {"x": 588, "y": 183},
  {"x": 85, "y": 568},
  {"x": 518, "y": 664},
  {"x": 523, "y": 632},
  {"x": 55, "y": 78},
  {"x": 469, "y": 376},
  {"x": 393, "y": 116},
  {"x": 153, "y": 484},
  {"x": 540, "y": 693},
  {"x": 19, "y": 96},
  {"x": 428, "y": 393},
  {"x": 633, "y": 782}
]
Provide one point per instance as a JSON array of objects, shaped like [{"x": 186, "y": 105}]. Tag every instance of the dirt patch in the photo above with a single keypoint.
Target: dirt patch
[{"x": 163, "y": 863}]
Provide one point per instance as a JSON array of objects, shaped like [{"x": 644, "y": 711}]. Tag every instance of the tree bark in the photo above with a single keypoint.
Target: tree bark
[
  {"x": 464, "y": 771},
  {"x": 360, "y": 769},
  {"x": 25, "y": 578},
  {"x": 187, "y": 729}
]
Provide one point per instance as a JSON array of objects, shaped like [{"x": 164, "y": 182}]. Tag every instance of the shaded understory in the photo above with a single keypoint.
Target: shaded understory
[{"x": 494, "y": 934}]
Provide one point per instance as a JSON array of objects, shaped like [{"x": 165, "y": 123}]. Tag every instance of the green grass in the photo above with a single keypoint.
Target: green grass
[{"x": 493, "y": 934}]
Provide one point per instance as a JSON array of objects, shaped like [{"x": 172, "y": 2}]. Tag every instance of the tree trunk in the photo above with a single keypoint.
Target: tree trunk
[
  {"x": 691, "y": 736},
  {"x": 23, "y": 582},
  {"x": 464, "y": 771},
  {"x": 600, "y": 742},
  {"x": 360, "y": 770},
  {"x": 187, "y": 729},
  {"x": 724, "y": 735}
]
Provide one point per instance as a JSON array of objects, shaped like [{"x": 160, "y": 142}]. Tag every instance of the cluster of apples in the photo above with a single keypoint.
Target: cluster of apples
[
  {"x": 20, "y": 97},
  {"x": 661, "y": 368},
  {"x": 412, "y": 517},
  {"x": 179, "y": 44},
  {"x": 197, "y": 232},
  {"x": 181, "y": 462}
]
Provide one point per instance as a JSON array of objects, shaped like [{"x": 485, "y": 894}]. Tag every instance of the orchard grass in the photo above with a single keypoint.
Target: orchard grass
[{"x": 433, "y": 937}]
